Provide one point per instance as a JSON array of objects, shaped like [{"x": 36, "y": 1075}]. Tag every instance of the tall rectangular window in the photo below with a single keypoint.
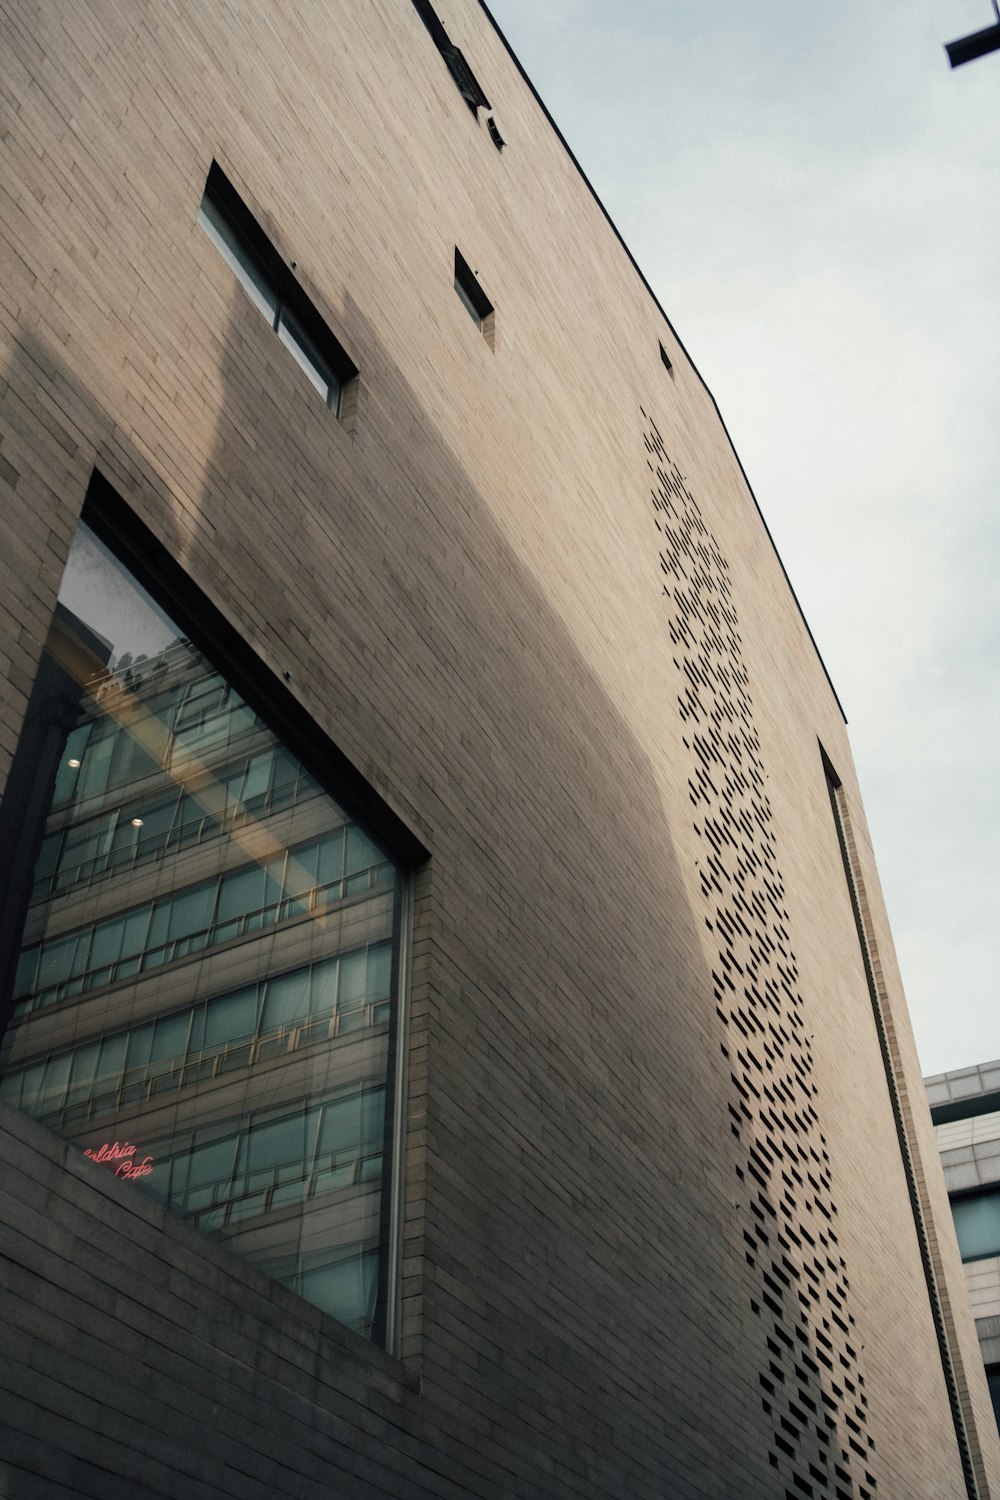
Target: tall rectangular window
[{"x": 205, "y": 987}]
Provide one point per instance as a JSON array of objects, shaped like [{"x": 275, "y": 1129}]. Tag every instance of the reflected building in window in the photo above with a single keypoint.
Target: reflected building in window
[{"x": 204, "y": 989}]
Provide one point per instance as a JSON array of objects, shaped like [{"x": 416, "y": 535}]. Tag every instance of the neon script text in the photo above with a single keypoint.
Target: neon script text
[{"x": 120, "y": 1157}]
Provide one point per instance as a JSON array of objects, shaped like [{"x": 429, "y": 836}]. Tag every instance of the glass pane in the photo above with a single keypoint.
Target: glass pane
[
  {"x": 372, "y": 1119},
  {"x": 49, "y": 856},
  {"x": 241, "y": 893},
  {"x": 361, "y": 852},
  {"x": 95, "y": 769},
  {"x": 85, "y": 1061},
  {"x": 212, "y": 1164},
  {"x": 258, "y": 776},
  {"x": 134, "y": 929},
  {"x": 379, "y": 971},
  {"x": 468, "y": 303},
  {"x": 70, "y": 765},
  {"x": 27, "y": 970},
  {"x": 277, "y": 1144},
  {"x": 341, "y": 1126},
  {"x": 113, "y": 1057},
  {"x": 346, "y": 1288},
  {"x": 295, "y": 338},
  {"x": 170, "y": 1038},
  {"x": 287, "y": 1000},
  {"x": 146, "y": 826},
  {"x": 977, "y": 1224},
  {"x": 190, "y": 912},
  {"x": 331, "y": 857},
  {"x": 238, "y": 258},
  {"x": 59, "y": 960},
  {"x": 353, "y": 978},
  {"x": 323, "y": 988},
  {"x": 139, "y": 1044},
  {"x": 57, "y": 1073},
  {"x": 214, "y": 1076},
  {"x": 231, "y": 1018}
]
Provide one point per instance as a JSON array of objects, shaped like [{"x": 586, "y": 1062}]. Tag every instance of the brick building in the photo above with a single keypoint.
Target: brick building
[{"x": 452, "y": 1039}]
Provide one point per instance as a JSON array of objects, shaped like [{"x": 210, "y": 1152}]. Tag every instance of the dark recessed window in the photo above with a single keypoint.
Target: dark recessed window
[
  {"x": 465, "y": 80},
  {"x": 473, "y": 298},
  {"x": 668, "y": 363},
  {"x": 273, "y": 289}
]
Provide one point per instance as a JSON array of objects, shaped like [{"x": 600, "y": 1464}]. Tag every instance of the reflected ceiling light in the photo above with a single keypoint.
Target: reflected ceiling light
[
  {"x": 73, "y": 763},
  {"x": 137, "y": 822}
]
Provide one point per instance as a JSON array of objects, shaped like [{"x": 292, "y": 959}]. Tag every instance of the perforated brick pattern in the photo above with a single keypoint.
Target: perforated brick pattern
[{"x": 811, "y": 1384}]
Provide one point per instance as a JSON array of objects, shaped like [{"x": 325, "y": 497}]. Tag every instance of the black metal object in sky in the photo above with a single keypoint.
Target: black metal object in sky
[{"x": 977, "y": 44}]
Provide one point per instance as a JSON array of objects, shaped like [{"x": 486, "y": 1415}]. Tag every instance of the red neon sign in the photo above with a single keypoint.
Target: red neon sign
[{"x": 120, "y": 1157}]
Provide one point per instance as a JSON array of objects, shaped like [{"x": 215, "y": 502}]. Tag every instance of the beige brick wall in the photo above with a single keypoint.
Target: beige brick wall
[{"x": 466, "y": 589}]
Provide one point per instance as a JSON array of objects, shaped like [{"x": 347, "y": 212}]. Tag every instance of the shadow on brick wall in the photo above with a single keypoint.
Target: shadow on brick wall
[{"x": 574, "y": 1290}]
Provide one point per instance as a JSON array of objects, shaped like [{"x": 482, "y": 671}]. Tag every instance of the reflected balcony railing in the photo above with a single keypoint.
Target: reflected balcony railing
[
  {"x": 186, "y": 835},
  {"x": 310, "y": 903},
  {"x": 137, "y": 1087},
  {"x": 274, "y": 1188}
]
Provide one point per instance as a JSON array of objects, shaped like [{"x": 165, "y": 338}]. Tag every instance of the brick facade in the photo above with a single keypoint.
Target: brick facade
[{"x": 479, "y": 589}]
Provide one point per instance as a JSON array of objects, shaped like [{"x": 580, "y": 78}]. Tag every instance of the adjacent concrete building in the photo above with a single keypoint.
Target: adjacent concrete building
[
  {"x": 452, "y": 1039},
  {"x": 965, "y": 1108}
]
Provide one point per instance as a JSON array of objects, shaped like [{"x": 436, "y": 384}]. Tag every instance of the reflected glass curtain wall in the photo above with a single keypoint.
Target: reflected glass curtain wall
[{"x": 205, "y": 989}]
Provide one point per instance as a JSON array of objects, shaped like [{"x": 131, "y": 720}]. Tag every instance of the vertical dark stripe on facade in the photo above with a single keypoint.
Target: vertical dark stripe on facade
[{"x": 952, "y": 1367}]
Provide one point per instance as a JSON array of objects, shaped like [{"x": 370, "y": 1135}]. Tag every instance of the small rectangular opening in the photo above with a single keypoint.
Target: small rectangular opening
[{"x": 473, "y": 298}]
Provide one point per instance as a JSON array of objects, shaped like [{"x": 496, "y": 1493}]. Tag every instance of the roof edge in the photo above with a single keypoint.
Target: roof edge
[{"x": 680, "y": 342}]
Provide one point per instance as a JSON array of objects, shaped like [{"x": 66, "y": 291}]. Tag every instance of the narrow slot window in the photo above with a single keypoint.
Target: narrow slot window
[
  {"x": 473, "y": 298},
  {"x": 465, "y": 79},
  {"x": 294, "y": 337},
  {"x": 467, "y": 302},
  {"x": 273, "y": 289},
  {"x": 238, "y": 258},
  {"x": 455, "y": 60}
]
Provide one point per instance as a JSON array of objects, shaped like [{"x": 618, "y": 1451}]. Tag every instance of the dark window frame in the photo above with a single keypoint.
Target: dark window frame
[
  {"x": 473, "y": 298},
  {"x": 455, "y": 60},
  {"x": 172, "y": 588},
  {"x": 22, "y": 815},
  {"x": 151, "y": 564},
  {"x": 291, "y": 297}
]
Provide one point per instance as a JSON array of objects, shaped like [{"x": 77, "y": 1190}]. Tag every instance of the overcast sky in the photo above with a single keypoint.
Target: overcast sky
[{"x": 814, "y": 196}]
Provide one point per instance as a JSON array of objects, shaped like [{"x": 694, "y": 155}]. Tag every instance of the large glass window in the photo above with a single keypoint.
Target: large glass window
[{"x": 205, "y": 992}]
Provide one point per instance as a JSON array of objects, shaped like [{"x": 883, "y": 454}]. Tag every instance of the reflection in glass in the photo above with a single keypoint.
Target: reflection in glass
[
  {"x": 977, "y": 1224},
  {"x": 206, "y": 982}
]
